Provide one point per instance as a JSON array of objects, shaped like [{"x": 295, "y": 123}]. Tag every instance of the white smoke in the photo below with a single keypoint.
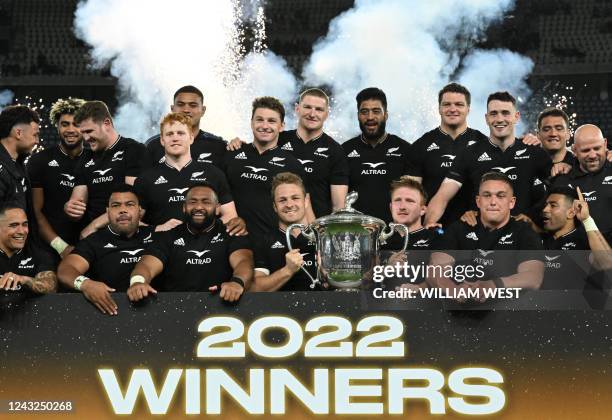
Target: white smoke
[
  {"x": 155, "y": 47},
  {"x": 410, "y": 49},
  {"x": 6, "y": 98}
]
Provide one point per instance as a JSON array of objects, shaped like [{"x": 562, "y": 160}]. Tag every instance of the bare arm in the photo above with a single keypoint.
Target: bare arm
[
  {"x": 310, "y": 216},
  {"x": 96, "y": 224},
  {"x": 148, "y": 267},
  {"x": 529, "y": 275},
  {"x": 76, "y": 206},
  {"x": 228, "y": 211},
  {"x": 70, "y": 268},
  {"x": 436, "y": 207},
  {"x": 273, "y": 281},
  {"x": 338, "y": 195},
  {"x": 241, "y": 262},
  {"x": 44, "y": 282}
]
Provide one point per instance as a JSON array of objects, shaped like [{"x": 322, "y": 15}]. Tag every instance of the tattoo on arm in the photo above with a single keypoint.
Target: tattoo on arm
[{"x": 44, "y": 282}]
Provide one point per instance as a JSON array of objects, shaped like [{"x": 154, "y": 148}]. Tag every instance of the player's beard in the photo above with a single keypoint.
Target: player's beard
[
  {"x": 382, "y": 126},
  {"x": 207, "y": 221},
  {"x": 69, "y": 146}
]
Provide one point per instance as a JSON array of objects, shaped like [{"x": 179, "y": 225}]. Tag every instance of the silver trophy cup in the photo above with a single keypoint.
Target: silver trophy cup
[{"x": 347, "y": 243}]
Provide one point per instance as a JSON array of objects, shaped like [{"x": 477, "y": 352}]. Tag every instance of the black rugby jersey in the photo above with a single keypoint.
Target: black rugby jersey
[
  {"x": 101, "y": 172},
  {"x": 206, "y": 148},
  {"x": 566, "y": 259},
  {"x": 162, "y": 188},
  {"x": 15, "y": 187},
  {"x": 195, "y": 262},
  {"x": 112, "y": 257},
  {"x": 521, "y": 163},
  {"x": 29, "y": 261},
  {"x": 432, "y": 156},
  {"x": 54, "y": 171},
  {"x": 373, "y": 168},
  {"x": 324, "y": 164},
  {"x": 250, "y": 177},
  {"x": 270, "y": 257}
]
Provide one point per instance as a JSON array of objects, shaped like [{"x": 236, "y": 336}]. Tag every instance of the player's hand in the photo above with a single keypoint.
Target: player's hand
[
  {"x": 470, "y": 217},
  {"x": 89, "y": 229},
  {"x": 99, "y": 294},
  {"x": 66, "y": 251},
  {"x": 170, "y": 224},
  {"x": 560, "y": 168},
  {"x": 531, "y": 140},
  {"x": 433, "y": 225},
  {"x": 524, "y": 218},
  {"x": 408, "y": 286},
  {"x": 294, "y": 261},
  {"x": 230, "y": 291},
  {"x": 581, "y": 208},
  {"x": 11, "y": 281},
  {"x": 397, "y": 258},
  {"x": 235, "y": 144},
  {"x": 482, "y": 285},
  {"x": 139, "y": 291},
  {"x": 236, "y": 227},
  {"x": 75, "y": 209}
]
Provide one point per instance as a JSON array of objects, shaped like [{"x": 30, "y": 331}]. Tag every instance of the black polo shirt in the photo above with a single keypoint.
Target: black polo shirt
[
  {"x": 270, "y": 257},
  {"x": 29, "y": 261},
  {"x": 206, "y": 148},
  {"x": 162, "y": 188},
  {"x": 250, "y": 177},
  {"x": 373, "y": 168},
  {"x": 112, "y": 257},
  {"x": 597, "y": 191},
  {"x": 103, "y": 171},
  {"x": 432, "y": 156},
  {"x": 53, "y": 171},
  {"x": 566, "y": 259},
  {"x": 195, "y": 262},
  {"x": 499, "y": 251},
  {"x": 520, "y": 162},
  {"x": 324, "y": 163}
]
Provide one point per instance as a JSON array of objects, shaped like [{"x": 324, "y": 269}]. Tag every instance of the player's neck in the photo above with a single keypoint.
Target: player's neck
[
  {"x": 453, "y": 131},
  {"x": 374, "y": 141},
  {"x": 8, "y": 251},
  {"x": 557, "y": 155},
  {"x": 11, "y": 147},
  {"x": 307, "y": 135},
  {"x": 493, "y": 225},
  {"x": 262, "y": 147},
  {"x": 503, "y": 142},
  {"x": 178, "y": 162},
  {"x": 112, "y": 139},
  {"x": 72, "y": 153},
  {"x": 195, "y": 130},
  {"x": 570, "y": 226}
]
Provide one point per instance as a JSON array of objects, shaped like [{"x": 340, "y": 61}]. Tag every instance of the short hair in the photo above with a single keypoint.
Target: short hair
[
  {"x": 371, "y": 93},
  {"x": 14, "y": 115},
  {"x": 455, "y": 88},
  {"x": 174, "y": 117},
  {"x": 64, "y": 107},
  {"x": 502, "y": 96},
  {"x": 10, "y": 205},
  {"x": 269, "y": 102},
  {"x": 286, "y": 178},
  {"x": 569, "y": 193},
  {"x": 188, "y": 89},
  {"x": 552, "y": 112},
  {"x": 496, "y": 176},
  {"x": 203, "y": 185},
  {"x": 319, "y": 93},
  {"x": 96, "y": 110},
  {"x": 124, "y": 188},
  {"x": 407, "y": 181}
]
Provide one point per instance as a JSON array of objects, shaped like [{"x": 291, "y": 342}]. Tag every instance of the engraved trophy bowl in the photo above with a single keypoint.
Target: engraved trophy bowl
[{"x": 347, "y": 243}]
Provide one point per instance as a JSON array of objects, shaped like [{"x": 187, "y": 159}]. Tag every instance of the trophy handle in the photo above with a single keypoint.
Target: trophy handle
[
  {"x": 395, "y": 227},
  {"x": 308, "y": 233}
]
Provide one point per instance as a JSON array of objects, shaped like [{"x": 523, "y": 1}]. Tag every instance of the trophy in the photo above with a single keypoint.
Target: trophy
[{"x": 347, "y": 243}]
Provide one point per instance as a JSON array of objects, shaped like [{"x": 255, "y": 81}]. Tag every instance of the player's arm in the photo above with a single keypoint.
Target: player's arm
[
  {"x": 436, "y": 207},
  {"x": 227, "y": 211},
  {"x": 265, "y": 281},
  {"x": 529, "y": 275},
  {"x": 46, "y": 231},
  {"x": 145, "y": 270},
  {"x": 77, "y": 204},
  {"x": 241, "y": 261},
  {"x": 43, "y": 283},
  {"x": 95, "y": 225},
  {"x": 130, "y": 180},
  {"x": 601, "y": 257},
  {"x": 310, "y": 216},
  {"x": 338, "y": 195}
]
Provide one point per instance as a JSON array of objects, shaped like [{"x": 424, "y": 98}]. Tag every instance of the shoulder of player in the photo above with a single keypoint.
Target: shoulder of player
[
  {"x": 129, "y": 143},
  {"x": 426, "y": 138},
  {"x": 354, "y": 142},
  {"x": 210, "y": 137},
  {"x": 153, "y": 141}
]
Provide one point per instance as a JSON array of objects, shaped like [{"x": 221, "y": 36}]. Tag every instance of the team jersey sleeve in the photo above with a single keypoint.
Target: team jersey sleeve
[
  {"x": 340, "y": 168},
  {"x": 135, "y": 160},
  {"x": 45, "y": 261},
  {"x": 239, "y": 242},
  {"x": 529, "y": 241},
  {"x": 449, "y": 240},
  {"x": 85, "y": 249},
  {"x": 35, "y": 169},
  {"x": 141, "y": 191},
  {"x": 221, "y": 184},
  {"x": 459, "y": 168},
  {"x": 544, "y": 164},
  {"x": 408, "y": 166},
  {"x": 262, "y": 257},
  {"x": 161, "y": 247},
  {"x": 415, "y": 157},
  {"x": 80, "y": 173}
]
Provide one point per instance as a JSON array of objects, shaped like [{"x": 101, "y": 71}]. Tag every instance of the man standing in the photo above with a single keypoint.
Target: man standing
[
  {"x": 102, "y": 262},
  {"x": 251, "y": 168},
  {"x": 375, "y": 157},
  {"x": 275, "y": 267},
  {"x": 495, "y": 232},
  {"x": 115, "y": 160},
  {"x": 593, "y": 174},
  {"x": 19, "y": 133},
  {"x": 22, "y": 262},
  {"x": 52, "y": 174},
  {"x": 433, "y": 154},
  {"x": 206, "y": 147},
  {"x": 521, "y": 163},
  {"x": 162, "y": 187},
  {"x": 198, "y": 255}
]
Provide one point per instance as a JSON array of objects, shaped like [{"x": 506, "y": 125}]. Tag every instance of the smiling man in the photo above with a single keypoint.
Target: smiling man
[
  {"x": 102, "y": 262},
  {"x": 115, "y": 160},
  {"x": 522, "y": 164},
  {"x": 251, "y": 168}
]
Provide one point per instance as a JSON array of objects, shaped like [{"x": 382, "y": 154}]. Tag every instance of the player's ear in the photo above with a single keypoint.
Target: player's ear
[
  {"x": 423, "y": 210},
  {"x": 512, "y": 202}
]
